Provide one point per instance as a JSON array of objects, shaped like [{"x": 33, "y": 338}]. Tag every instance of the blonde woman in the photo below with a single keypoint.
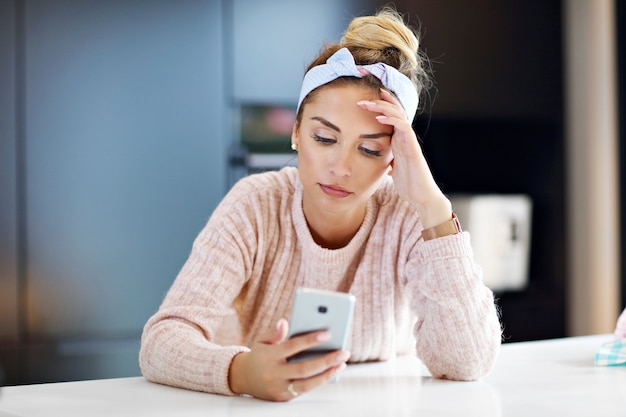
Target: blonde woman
[{"x": 361, "y": 214}]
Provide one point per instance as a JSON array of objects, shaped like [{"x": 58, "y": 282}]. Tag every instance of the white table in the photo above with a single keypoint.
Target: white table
[{"x": 544, "y": 378}]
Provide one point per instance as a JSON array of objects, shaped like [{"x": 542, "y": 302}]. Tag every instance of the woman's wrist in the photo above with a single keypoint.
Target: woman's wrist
[
  {"x": 235, "y": 380},
  {"x": 435, "y": 213}
]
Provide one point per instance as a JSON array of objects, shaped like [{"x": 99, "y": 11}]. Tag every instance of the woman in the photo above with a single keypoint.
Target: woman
[
  {"x": 620, "y": 327},
  {"x": 360, "y": 214}
]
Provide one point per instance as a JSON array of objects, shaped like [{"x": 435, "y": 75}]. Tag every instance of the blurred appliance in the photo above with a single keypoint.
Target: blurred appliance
[
  {"x": 264, "y": 139},
  {"x": 500, "y": 227}
]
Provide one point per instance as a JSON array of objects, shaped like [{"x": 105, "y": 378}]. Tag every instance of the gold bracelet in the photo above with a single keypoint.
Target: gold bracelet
[{"x": 449, "y": 227}]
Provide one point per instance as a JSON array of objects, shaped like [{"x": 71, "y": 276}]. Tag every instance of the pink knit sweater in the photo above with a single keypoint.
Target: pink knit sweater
[{"x": 256, "y": 249}]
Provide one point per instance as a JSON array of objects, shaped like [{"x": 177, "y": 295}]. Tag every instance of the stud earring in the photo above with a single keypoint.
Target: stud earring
[{"x": 294, "y": 147}]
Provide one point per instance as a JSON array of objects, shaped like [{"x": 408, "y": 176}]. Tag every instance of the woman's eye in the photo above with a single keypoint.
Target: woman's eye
[
  {"x": 370, "y": 152},
  {"x": 322, "y": 139}
]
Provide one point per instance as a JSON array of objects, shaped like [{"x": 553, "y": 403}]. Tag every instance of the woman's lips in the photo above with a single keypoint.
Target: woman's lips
[{"x": 335, "y": 191}]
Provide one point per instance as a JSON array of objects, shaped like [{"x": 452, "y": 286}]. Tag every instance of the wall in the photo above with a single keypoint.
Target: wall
[
  {"x": 592, "y": 186},
  {"x": 123, "y": 151},
  {"x": 8, "y": 179},
  {"x": 492, "y": 59},
  {"x": 621, "y": 82},
  {"x": 114, "y": 150},
  {"x": 272, "y": 44}
]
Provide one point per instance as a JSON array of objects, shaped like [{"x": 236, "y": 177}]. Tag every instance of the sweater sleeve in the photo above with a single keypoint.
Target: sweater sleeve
[
  {"x": 178, "y": 346},
  {"x": 458, "y": 330}
]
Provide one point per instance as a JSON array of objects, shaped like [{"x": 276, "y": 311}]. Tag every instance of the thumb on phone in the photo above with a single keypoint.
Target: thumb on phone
[{"x": 279, "y": 334}]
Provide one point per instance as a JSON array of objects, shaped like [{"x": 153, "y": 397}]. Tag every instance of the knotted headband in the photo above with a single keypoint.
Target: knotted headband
[{"x": 341, "y": 64}]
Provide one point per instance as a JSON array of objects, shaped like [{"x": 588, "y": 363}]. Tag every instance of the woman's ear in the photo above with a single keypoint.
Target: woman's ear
[
  {"x": 295, "y": 136},
  {"x": 390, "y": 168}
]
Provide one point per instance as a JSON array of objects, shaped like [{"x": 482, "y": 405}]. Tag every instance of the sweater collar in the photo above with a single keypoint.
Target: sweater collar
[{"x": 319, "y": 253}]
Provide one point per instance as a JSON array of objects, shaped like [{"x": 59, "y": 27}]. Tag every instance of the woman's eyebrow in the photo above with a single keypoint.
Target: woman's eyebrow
[
  {"x": 374, "y": 135},
  {"x": 326, "y": 123},
  {"x": 362, "y": 136}
]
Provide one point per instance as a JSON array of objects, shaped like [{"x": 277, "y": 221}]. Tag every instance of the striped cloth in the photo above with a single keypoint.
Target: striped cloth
[{"x": 612, "y": 353}]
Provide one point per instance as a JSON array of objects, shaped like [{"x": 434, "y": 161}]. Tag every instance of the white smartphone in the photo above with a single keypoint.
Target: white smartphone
[{"x": 314, "y": 310}]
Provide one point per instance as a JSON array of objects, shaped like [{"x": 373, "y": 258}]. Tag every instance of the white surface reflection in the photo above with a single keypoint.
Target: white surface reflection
[
  {"x": 396, "y": 388},
  {"x": 545, "y": 378}
]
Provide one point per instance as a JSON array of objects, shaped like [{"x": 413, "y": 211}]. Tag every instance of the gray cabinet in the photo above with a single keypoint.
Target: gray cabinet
[
  {"x": 123, "y": 152},
  {"x": 124, "y": 156},
  {"x": 8, "y": 178}
]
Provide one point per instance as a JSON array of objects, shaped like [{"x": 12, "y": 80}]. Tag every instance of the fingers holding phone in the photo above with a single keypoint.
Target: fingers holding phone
[
  {"x": 265, "y": 372},
  {"x": 308, "y": 358},
  {"x": 315, "y": 310},
  {"x": 310, "y": 371},
  {"x": 301, "y": 355},
  {"x": 321, "y": 369}
]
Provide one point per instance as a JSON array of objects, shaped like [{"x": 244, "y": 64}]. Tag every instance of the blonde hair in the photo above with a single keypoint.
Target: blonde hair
[{"x": 383, "y": 37}]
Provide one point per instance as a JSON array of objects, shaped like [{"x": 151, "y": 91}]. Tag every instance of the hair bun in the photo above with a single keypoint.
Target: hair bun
[
  {"x": 390, "y": 50},
  {"x": 385, "y": 37}
]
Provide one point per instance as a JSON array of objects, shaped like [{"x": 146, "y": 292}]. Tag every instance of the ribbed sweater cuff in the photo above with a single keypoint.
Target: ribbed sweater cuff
[
  {"x": 452, "y": 246},
  {"x": 222, "y": 368}
]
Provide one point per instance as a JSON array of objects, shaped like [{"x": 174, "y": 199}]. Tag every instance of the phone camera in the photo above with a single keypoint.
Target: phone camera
[{"x": 322, "y": 309}]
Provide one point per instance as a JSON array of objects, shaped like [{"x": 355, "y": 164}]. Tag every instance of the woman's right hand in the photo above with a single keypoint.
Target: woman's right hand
[{"x": 264, "y": 372}]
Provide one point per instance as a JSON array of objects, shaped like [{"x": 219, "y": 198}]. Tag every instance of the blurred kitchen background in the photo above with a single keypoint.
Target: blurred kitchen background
[{"x": 124, "y": 122}]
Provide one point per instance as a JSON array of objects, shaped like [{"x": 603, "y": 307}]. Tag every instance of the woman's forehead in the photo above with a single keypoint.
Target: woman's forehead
[
  {"x": 344, "y": 91},
  {"x": 337, "y": 107}
]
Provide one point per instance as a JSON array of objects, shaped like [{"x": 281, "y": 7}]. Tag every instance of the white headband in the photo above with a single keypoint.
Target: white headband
[{"x": 341, "y": 64}]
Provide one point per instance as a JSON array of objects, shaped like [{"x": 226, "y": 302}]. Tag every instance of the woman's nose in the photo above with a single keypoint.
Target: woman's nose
[{"x": 340, "y": 163}]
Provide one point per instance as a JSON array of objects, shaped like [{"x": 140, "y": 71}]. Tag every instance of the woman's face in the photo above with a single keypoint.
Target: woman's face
[{"x": 343, "y": 151}]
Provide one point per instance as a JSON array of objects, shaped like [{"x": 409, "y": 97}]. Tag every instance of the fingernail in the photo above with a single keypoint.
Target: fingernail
[
  {"x": 364, "y": 102},
  {"x": 323, "y": 336},
  {"x": 279, "y": 323},
  {"x": 343, "y": 356}
]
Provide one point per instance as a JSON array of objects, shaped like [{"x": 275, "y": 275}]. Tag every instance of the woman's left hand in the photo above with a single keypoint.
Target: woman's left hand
[{"x": 411, "y": 175}]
